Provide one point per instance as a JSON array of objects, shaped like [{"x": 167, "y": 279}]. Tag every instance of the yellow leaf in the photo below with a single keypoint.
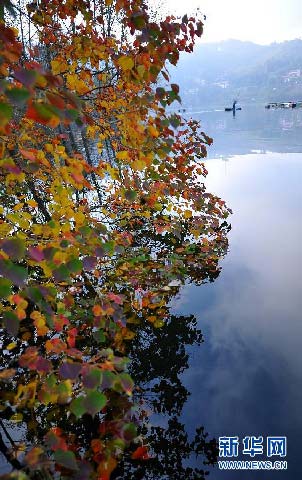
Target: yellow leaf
[
  {"x": 153, "y": 132},
  {"x": 32, "y": 203},
  {"x": 39, "y": 322},
  {"x": 138, "y": 165},
  {"x": 141, "y": 70},
  {"x": 59, "y": 257},
  {"x": 41, "y": 81},
  {"x": 188, "y": 214},
  {"x": 123, "y": 155},
  {"x": 26, "y": 336},
  {"x": 113, "y": 172},
  {"x": 158, "y": 323},
  {"x": 57, "y": 67},
  {"x": 17, "y": 417},
  {"x": 18, "y": 206},
  {"x": 37, "y": 229},
  {"x": 128, "y": 334},
  {"x": 79, "y": 218},
  {"x": 126, "y": 63},
  {"x": 158, "y": 206},
  {"x": 26, "y": 394},
  {"x": 74, "y": 83},
  {"x": 48, "y": 147},
  {"x": 46, "y": 269}
]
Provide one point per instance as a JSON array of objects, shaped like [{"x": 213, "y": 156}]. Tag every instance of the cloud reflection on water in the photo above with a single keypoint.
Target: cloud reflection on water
[{"x": 247, "y": 377}]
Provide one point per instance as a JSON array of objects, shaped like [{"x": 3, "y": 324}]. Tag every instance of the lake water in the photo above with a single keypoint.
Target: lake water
[{"x": 246, "y": 379}]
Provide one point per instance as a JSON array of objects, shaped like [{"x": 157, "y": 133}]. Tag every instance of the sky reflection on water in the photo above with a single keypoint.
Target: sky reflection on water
[{"x": 246, "y": 379}]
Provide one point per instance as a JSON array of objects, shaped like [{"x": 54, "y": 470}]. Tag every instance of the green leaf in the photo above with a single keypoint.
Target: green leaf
[
  {"x": 5, "y": 287},
  {"x": 95, "y": 402},
  {"x": 67, "y": 459},
  {"x": 175, "y": 88},
  {"x": 126, "y": 382},
  {"x": 15, "y": 273},
  {"x": 18, "y": 96},
  {"x": 77, "y": 407},
  {"x": 108, "y": 380},
  {"x": 71, "y": 114},
  {"x": 129, "y": 432},
  {"x": 175, "y": 121},
  {"x": 130, "y": 195},
  {"x": 99, "y": 336},
  {"x": 34, "y": 294},
  {"x": 6, "y": 113},
  {"x": 160, "y": 92},
  {"x": 75, "y": 265},
  {"x": 11, "y": 323},
  {"x": 46, "y": 111},
  {"x": 60, "y": 274},
  {"x": 139, "y": 21},
  {"x": 92, "y": 379},
  {"x": 64, "y": 243},
  {"x": 14, "y": 248}
]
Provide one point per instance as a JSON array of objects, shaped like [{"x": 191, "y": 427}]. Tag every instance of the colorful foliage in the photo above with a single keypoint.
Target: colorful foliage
[{"x": 104, "y": 215}]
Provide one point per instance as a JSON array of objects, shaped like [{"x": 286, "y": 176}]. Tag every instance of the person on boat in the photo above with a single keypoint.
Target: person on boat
[{"x": 233, "y": 109}]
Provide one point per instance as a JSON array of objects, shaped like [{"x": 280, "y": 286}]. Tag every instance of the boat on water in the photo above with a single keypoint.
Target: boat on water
[
  {"x": 283, "y": 105},
  {"x": 233, "y": 108}
]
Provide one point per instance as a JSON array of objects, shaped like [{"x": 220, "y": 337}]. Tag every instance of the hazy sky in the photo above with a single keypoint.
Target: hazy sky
[{"x": 261, "y": 21}]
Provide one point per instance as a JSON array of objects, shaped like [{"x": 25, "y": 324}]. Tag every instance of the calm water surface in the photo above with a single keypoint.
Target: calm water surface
[{"x": 246, "y": 379}]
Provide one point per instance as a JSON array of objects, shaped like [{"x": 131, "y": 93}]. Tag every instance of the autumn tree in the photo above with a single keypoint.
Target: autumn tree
[{"x": 104, "y": 215}]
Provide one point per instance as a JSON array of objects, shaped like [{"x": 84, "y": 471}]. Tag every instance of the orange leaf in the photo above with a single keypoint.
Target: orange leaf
[
  {"x": 97, "y": 445},
  {"x": 56, "y": 100},
  {"x": 105, "y": 469},
  {"x": 141, "y": 453},
  {"x": 29, "y": 154},
  {"x": 97, "y": 310}
]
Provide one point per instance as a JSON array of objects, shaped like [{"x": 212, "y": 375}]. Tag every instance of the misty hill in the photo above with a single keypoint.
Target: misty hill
[{"x": 216, "y": 73}]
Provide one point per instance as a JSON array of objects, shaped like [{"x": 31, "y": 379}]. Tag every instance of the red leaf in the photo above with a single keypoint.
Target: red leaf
[
  {"x": 56, "y": 100},
  {"x": 60, "y": 321},
  {"x": 115, "y": 298},
  {"x": 105, "y": 468},
  {"x": 29, "y": 358},
  {"x": 71, "y": 337},
  {"x": 54, "y": 441},
  {"x": 43, "y": 365},
  {"x": 141, "y": 453}
]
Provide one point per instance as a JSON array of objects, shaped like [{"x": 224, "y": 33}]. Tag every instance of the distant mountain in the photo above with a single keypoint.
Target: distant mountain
[{"x": 216, "y": 73}]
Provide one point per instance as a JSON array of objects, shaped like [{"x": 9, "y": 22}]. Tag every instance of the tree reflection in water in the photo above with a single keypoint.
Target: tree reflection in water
[{"x": 159, "y": 357}]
